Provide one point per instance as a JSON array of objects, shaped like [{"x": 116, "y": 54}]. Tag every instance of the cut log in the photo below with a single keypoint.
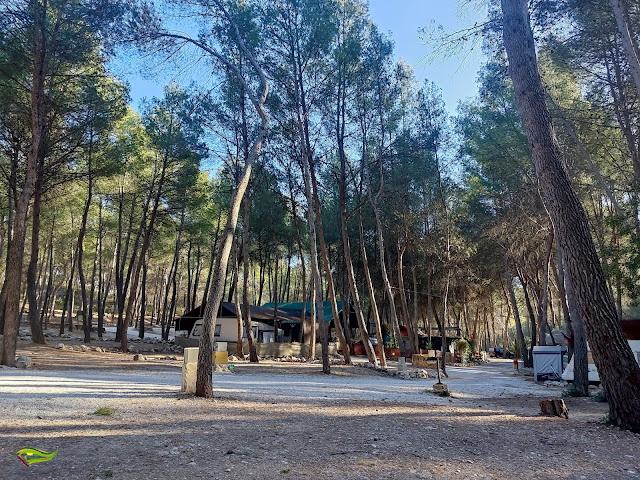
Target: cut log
[{"x": 555, "y": 407}]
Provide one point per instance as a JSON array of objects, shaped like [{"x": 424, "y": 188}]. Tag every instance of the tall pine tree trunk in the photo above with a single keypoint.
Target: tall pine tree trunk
[
  {"x": 13, "y": 274},
  {"x": 618, "y": 369},
  {"x": 629, "y": 42},
  {"x": 522, "y": 345},
  {"x": 246, "y": 313},
  {"x": 37, "y": 335}
]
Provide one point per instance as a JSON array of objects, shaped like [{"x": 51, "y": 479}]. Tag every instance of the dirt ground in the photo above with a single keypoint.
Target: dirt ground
[{"x": 278, "y": 421}]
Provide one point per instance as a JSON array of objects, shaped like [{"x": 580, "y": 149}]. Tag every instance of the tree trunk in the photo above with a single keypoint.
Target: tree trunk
[
  {"x": 524, "y": 353},
  {"x": 148, "y": 232},
  {"x": 403, "y": 301},
  {"x": 37, "y": 336},
  {"x": 543, "y": 304},
  {"x": 196, "y": 279},
  {"x": 618, "y": 369},
  {"x": 629, "y": 43},
  {"x": 246, "y": 313},
  {"x": 327, "y": 269},
  {"x": 372, "y": 296},
  {"x": 92, "y": 288},
  {"x": 303, "y": 282},
  {"x": 239, "y": 314},
  {"x": 83, "y": 280},
  {"x": 214, "y": 249},
  {"x": 143, "y": 301},
  {"x": 16, "y": 251},
  {"x": 580, "y": 350},
  {"x": 44, "y": 317},
  {"x": 355, "y": 296}
]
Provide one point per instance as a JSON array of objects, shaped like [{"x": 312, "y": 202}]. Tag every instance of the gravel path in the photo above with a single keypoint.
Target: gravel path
[{"x": 493, "y": 380}]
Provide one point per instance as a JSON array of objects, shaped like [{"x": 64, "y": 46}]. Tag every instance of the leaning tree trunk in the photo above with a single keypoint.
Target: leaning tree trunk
[
  {"x": 524, "y": 353},
  {"x": 204, "y": 383},
  {"x": 137, "y": 263},
  {"x": 619, "y": 371},
  {"x": 353, "y": 287},
  {"x": 629, "y": 43},
  {"x": 315, "y": 268},
  {"x": 580, "y": 350},
  {"x": 372, "y": 296}
]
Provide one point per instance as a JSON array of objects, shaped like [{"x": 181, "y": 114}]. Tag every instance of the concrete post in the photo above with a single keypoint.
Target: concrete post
[
  {"x": 189, "y": 369},
  {"x": 402, "y": 365}
]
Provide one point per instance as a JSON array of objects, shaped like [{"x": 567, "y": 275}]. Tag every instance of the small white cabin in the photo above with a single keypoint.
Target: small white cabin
[{"x": 264, "y": 325}]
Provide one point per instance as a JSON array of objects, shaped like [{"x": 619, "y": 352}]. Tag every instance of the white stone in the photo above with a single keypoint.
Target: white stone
[{"x": 23, "y": 361}]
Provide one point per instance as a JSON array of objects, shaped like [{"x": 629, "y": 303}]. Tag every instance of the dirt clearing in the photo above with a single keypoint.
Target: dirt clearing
[{"x": 290, "y": 421}]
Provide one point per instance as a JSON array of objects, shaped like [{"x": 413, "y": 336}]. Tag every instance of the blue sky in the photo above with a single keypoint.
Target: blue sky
[{"x": 403, "y": 19}]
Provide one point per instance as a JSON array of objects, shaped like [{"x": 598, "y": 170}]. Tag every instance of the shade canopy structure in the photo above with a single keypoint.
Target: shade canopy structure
[{"x": 294, "y": 310}]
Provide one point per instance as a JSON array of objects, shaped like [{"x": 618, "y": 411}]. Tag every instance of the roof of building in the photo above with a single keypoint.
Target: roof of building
[
  {"x": 228, "y": 309},
  {"x": 295, "y": 309}
]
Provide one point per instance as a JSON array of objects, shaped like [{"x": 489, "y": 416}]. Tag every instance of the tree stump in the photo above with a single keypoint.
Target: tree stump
[{"x": 555, "y": 407}]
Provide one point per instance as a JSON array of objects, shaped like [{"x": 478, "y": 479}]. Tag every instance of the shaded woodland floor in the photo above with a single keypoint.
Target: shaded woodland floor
[{"x": 290, "y": 421}]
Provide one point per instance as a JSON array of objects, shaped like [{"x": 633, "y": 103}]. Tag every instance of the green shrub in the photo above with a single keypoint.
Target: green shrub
[
  {"x": 571, "y": 391},
  {"x": 599, "y": 396},
  {"x": 105, "y": 411},
  {"x": 461, "y": 346},
  {"x": 605, "y": 420}
]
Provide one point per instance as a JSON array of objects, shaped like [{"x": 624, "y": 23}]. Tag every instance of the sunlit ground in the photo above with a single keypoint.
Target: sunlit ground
[{"x": 267, "y": 422}]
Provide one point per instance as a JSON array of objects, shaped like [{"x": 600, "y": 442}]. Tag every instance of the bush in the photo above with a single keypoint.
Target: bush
[
  {"x": 106, "y": 411},
  {"x": 472, "y": 345},
  {"x": 599, "y": 396},
  {"x": 571, "y": 391},
  {"x": 461, "y": 346}
]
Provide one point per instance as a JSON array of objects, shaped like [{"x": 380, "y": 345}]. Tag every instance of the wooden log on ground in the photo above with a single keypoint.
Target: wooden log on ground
[{"x": 555, "y": 407}]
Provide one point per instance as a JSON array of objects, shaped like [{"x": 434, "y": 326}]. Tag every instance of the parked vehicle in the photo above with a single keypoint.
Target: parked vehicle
[{"x": 499, "y": 351}]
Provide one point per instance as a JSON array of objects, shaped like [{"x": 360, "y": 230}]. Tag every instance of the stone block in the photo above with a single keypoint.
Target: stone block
[
  {"x": 440, "y": 388},
  {"x": 189, "y": 375},
  {"x": 191, "y": 355}
]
